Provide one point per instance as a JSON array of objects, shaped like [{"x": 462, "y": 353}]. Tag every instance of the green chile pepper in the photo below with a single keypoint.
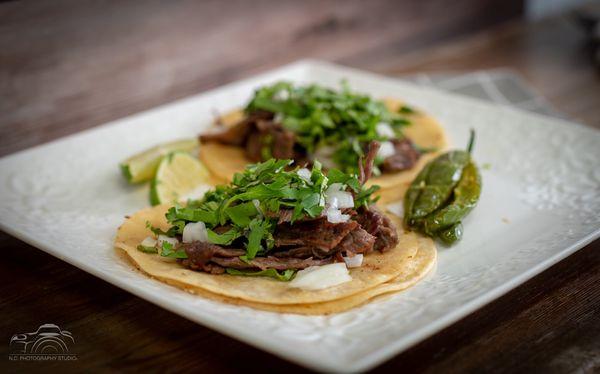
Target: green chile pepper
[
  {"x": 466, "y": 195},
  {"x": 413, "y": 193},
  {"x": 438, "y": 183},
  {"x": 445, "y": 191},
  {"x": 451, "y": 235}
]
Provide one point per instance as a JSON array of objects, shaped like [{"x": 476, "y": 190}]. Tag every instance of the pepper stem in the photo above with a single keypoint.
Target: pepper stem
[{"x": 471, "y": 141}]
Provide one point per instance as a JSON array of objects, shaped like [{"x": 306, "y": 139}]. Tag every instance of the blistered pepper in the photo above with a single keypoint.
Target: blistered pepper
[{"x": 443, "y": 193}]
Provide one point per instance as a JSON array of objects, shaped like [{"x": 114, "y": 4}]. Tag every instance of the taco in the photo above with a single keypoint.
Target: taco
[
  {"x": 281, "y": 238},
  {"x": 307, "y": 123}
]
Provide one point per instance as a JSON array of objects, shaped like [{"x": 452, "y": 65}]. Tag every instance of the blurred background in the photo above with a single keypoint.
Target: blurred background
[{"x": 70, "y": 65}]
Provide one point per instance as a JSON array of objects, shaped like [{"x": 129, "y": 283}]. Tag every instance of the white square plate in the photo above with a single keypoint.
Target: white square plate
[{"x": 540, "y": 203}]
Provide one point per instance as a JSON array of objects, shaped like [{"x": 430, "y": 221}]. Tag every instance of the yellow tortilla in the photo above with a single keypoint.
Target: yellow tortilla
[
  {"x": 414, "y": 269},
  {"x": 223, "y": 161},
  {"x": 425, "y": 132},
  {"x": 377, "y": 268}
]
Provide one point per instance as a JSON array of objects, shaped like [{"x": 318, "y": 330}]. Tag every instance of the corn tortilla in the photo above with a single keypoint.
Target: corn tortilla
[
  {"x": 414, "y": 269},
  {"x": 377, "y": 268}
]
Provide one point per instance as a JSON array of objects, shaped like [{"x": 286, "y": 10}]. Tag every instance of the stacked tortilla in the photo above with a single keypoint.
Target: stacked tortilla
[{"x": 380, "y": 273}]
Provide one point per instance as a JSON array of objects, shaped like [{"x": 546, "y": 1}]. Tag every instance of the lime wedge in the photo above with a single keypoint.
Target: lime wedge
[
  {"x": 142, "y": 166},
  {"x": 178, "y": 175}
]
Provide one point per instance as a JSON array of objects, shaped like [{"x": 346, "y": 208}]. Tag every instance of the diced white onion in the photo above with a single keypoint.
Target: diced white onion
[
  {"x": 385, "y": 130},
  {"x": 341, "y": 199},
  {"x": 305, "y": 174},
  {"x": 163, "y": 238},
  {"x": 386, "y": 150},
  {"x": 336, "y": 216},
  {"x": 345, "y": 200},
  {"x": 335, "y": 200},
  {"x": 354, "y": 262},
  {"x": 335, "y": 187},
  {"x": 197, "y": 193},
  {"x": 332, "y": 201},
  {"x": 195, "y": 232},
  {"x": 148, "y": 242},
  {"x": 320, "y": 277}
]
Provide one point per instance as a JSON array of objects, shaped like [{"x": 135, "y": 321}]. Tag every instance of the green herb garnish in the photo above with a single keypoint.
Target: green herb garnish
[
  {"x": 320, "y": 117},
  {"x": 284, "y": 276},
  {"x": 249, "y": 207},
  {"x": 146, "y": 249},
  {"x": 169, "y": 251},
  {"x": 406, "y": 110}
]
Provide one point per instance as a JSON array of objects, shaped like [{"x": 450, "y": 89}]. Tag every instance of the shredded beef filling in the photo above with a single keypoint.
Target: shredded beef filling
[
  {"x": 270, "y": 262},
  {"x": 355, "y": 242},
  {"x": 213, "y": 258},
  {"x": 200, "y": 253},
  {"x": 308, "y": 242},
  {"x": 238, "y": 134},
  {"x": 380, "y": 226},
  {"x": 270, "y": 140},
  {"x": 263, "y": 138},
  {"x": 319, "y": 234},
  {"x": 406, "y": 156},
  {"x": 365, "y": 170}
]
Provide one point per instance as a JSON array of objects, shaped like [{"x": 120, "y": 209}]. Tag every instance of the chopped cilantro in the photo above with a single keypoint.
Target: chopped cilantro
[
  {"x": 406, "y": 110},
  {"x": 283, "y": 276},
  {"x": 168, "y": 251},
  {"x": 145, "y": 249},
  {"x": 242, "y": 214},
  {"x": 223, "y": 239},
  {"x": 246, "y": 211},
  {"x": 177, "y": 228},
  {"x": 322, "y": 117},
  {"x": 157, "y": 231}
]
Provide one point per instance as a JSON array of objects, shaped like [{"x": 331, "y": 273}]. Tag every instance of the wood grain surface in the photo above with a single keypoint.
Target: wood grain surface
[{"x": 67, "y": 66}]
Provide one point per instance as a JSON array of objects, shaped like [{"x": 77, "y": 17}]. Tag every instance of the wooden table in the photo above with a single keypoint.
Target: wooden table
[{"x": 549, "y": 324}]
